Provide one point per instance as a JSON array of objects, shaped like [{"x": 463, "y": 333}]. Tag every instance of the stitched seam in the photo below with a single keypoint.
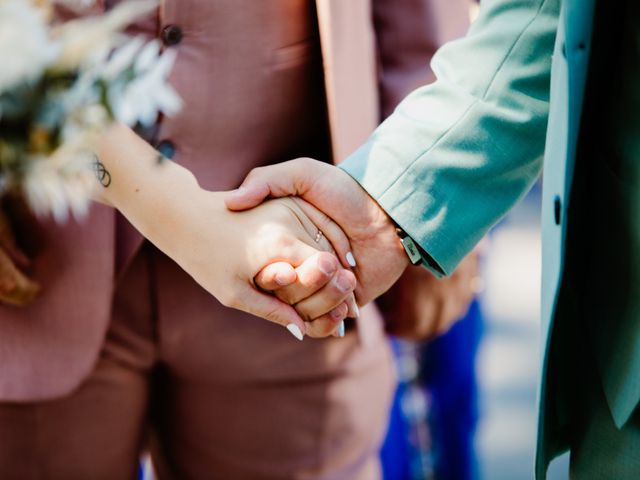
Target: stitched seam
[
  {"x": 515, "y": 43},
  {"x": 474, "y": 103}
]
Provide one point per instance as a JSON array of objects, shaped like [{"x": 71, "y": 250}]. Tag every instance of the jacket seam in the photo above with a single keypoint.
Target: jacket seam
[{"x": 473, "y": 104}]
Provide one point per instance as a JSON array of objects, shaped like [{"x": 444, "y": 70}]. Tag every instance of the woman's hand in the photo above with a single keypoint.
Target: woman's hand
[
  {"x": 274, "y": 243},
  {"x": 224, "y": 251}
]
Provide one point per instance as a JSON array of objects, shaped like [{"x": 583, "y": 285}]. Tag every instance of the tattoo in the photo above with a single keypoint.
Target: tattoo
[{"x": 102, "y": 174}]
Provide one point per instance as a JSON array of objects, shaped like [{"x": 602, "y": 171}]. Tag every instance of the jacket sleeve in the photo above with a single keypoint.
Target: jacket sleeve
[{"x": 457, "y": 154}]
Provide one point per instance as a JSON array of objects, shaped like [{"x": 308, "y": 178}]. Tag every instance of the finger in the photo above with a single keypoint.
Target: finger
[
  {"x": 352, "y": 305},
  {"x": 248, "y": 196},
  {"x": 312, "y": 275},
  {"x": 271, "y": 309},
  {"x": 282, "y": 180},
  {"x": 293, "y": 248},
  {"x": 328, "y": 297},
  {"x": 275, "y": 276},
  {"x": 327, "y": 324},
  {"x": 330, "y": 230}
]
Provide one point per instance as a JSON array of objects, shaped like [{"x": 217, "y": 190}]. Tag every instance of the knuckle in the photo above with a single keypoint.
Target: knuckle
[
  {"x": 324, "y": 271},
  {"x": 304, "y": 313},
  {"x": 339, "y": 313},
  {"x": 317, "y": 279},
  {"x": 345, "y": 281},
  {"x": 273, "y": 315},
  {"x": 319, "y": 328},
  {"x": 261, "y": 282},
  {"x": 328, "y": 260},
  {"x": 285, "y": 295}
]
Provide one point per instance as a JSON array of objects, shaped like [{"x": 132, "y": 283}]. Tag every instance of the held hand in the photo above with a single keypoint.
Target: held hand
[
  {"x": 314, "y": 288},
  {"x": 224, "y": 251},
  {"x": 224, "y": 255},
  {"x": 375, "y": 244}
]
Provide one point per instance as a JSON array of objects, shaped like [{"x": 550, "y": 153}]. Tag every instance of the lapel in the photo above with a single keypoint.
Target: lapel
[
  {"x": 568, "y": 82},
  {"x": 348, "y": 52},
  {"x": 619, "y": 360},
  {"x": 616, "y": 343},
  {"x": 617, "y": 350}
]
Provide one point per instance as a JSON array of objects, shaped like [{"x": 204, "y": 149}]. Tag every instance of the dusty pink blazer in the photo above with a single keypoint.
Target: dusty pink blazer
[{"x": 48, "y": 348}]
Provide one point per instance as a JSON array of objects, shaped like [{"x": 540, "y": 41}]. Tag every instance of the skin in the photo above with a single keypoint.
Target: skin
[
  {"x": 421, "y": 307},
  {"x": 335, "y": 195},
  {"x": 240, "y": 258}
]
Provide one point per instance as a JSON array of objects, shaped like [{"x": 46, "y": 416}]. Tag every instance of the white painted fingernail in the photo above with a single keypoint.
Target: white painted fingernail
[
  {"x": 341, "y": 329},
  {"x": 295, "y": 331},
  {"x": 356, "y": 310},
  {"x": 351, "y": 259}
]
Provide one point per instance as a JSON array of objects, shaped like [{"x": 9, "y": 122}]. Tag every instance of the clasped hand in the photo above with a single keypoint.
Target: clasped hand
[{"x": 332, "y": 197}]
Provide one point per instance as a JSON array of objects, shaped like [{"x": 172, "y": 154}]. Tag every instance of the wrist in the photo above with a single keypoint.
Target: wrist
[{"x": 144, "y": 187}]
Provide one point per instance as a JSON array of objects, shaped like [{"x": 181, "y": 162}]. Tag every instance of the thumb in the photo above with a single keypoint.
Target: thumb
[
  {"x": 247, "y": 196},
  {"x": 280, "y": 180},
  {"x": 276, "y": 311}
]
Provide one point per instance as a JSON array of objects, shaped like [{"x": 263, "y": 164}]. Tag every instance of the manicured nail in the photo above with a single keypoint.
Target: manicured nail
[
  {"x": 338, "y": 312},
  {"x": 295, "y": 331},
  {"x": 341, "y": 329},
  {"x": 351, "y": 259},
  {"x": 356, "y": 310}
]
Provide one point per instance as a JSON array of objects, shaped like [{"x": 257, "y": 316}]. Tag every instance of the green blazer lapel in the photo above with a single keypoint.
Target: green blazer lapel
[
  {"x": 568, "y": 81},
  {"x": 612, "y": 310},
  {"x": 613, "y": 324}
]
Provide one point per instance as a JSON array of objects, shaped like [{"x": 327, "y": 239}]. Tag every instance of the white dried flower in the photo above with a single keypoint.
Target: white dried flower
[
  {"x": 150, "y": 92},
  {"x": 25, "y": 48},
  {"x": 77, "y": 4},
  {"x": 122, "y": 59},
  {"x": 133, "y": 76},
  {"x": 61, "y": 183},
  {"x": 86, "y": 41}
]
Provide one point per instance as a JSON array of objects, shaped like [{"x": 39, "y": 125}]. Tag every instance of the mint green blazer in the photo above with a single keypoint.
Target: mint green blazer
[{"x": 456, "y": 155}]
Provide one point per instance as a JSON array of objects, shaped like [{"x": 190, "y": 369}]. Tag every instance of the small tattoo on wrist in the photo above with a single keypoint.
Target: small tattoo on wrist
[{"x": 102, "y": 174}]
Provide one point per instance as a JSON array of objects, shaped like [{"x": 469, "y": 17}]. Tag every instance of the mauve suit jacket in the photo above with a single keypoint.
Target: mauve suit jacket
[{"x": 48, "y": 348}]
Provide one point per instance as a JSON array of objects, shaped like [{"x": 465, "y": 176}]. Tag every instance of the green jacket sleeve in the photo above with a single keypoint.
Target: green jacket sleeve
[{"x": 457, "y": 154}]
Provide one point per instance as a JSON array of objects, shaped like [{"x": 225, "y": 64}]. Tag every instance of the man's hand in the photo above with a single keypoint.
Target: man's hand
[{"x": 375, "y": 245}]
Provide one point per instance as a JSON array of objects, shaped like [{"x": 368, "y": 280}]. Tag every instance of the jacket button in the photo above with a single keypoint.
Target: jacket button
[
  {"x": 166, "y": 148},
  {"x": 171, "y": 35},
  {"x": 557, "y": 209}
]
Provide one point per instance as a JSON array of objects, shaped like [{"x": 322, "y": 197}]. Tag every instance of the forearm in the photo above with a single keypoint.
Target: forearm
[
  {"x": 221, "y": 250},
  {"x": 154, "y": 194}
]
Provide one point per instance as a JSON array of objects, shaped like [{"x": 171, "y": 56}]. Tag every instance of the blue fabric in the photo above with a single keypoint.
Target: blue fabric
[
  {"x": 449, "y": 373},
  {"x": 395, "y": 453}
]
